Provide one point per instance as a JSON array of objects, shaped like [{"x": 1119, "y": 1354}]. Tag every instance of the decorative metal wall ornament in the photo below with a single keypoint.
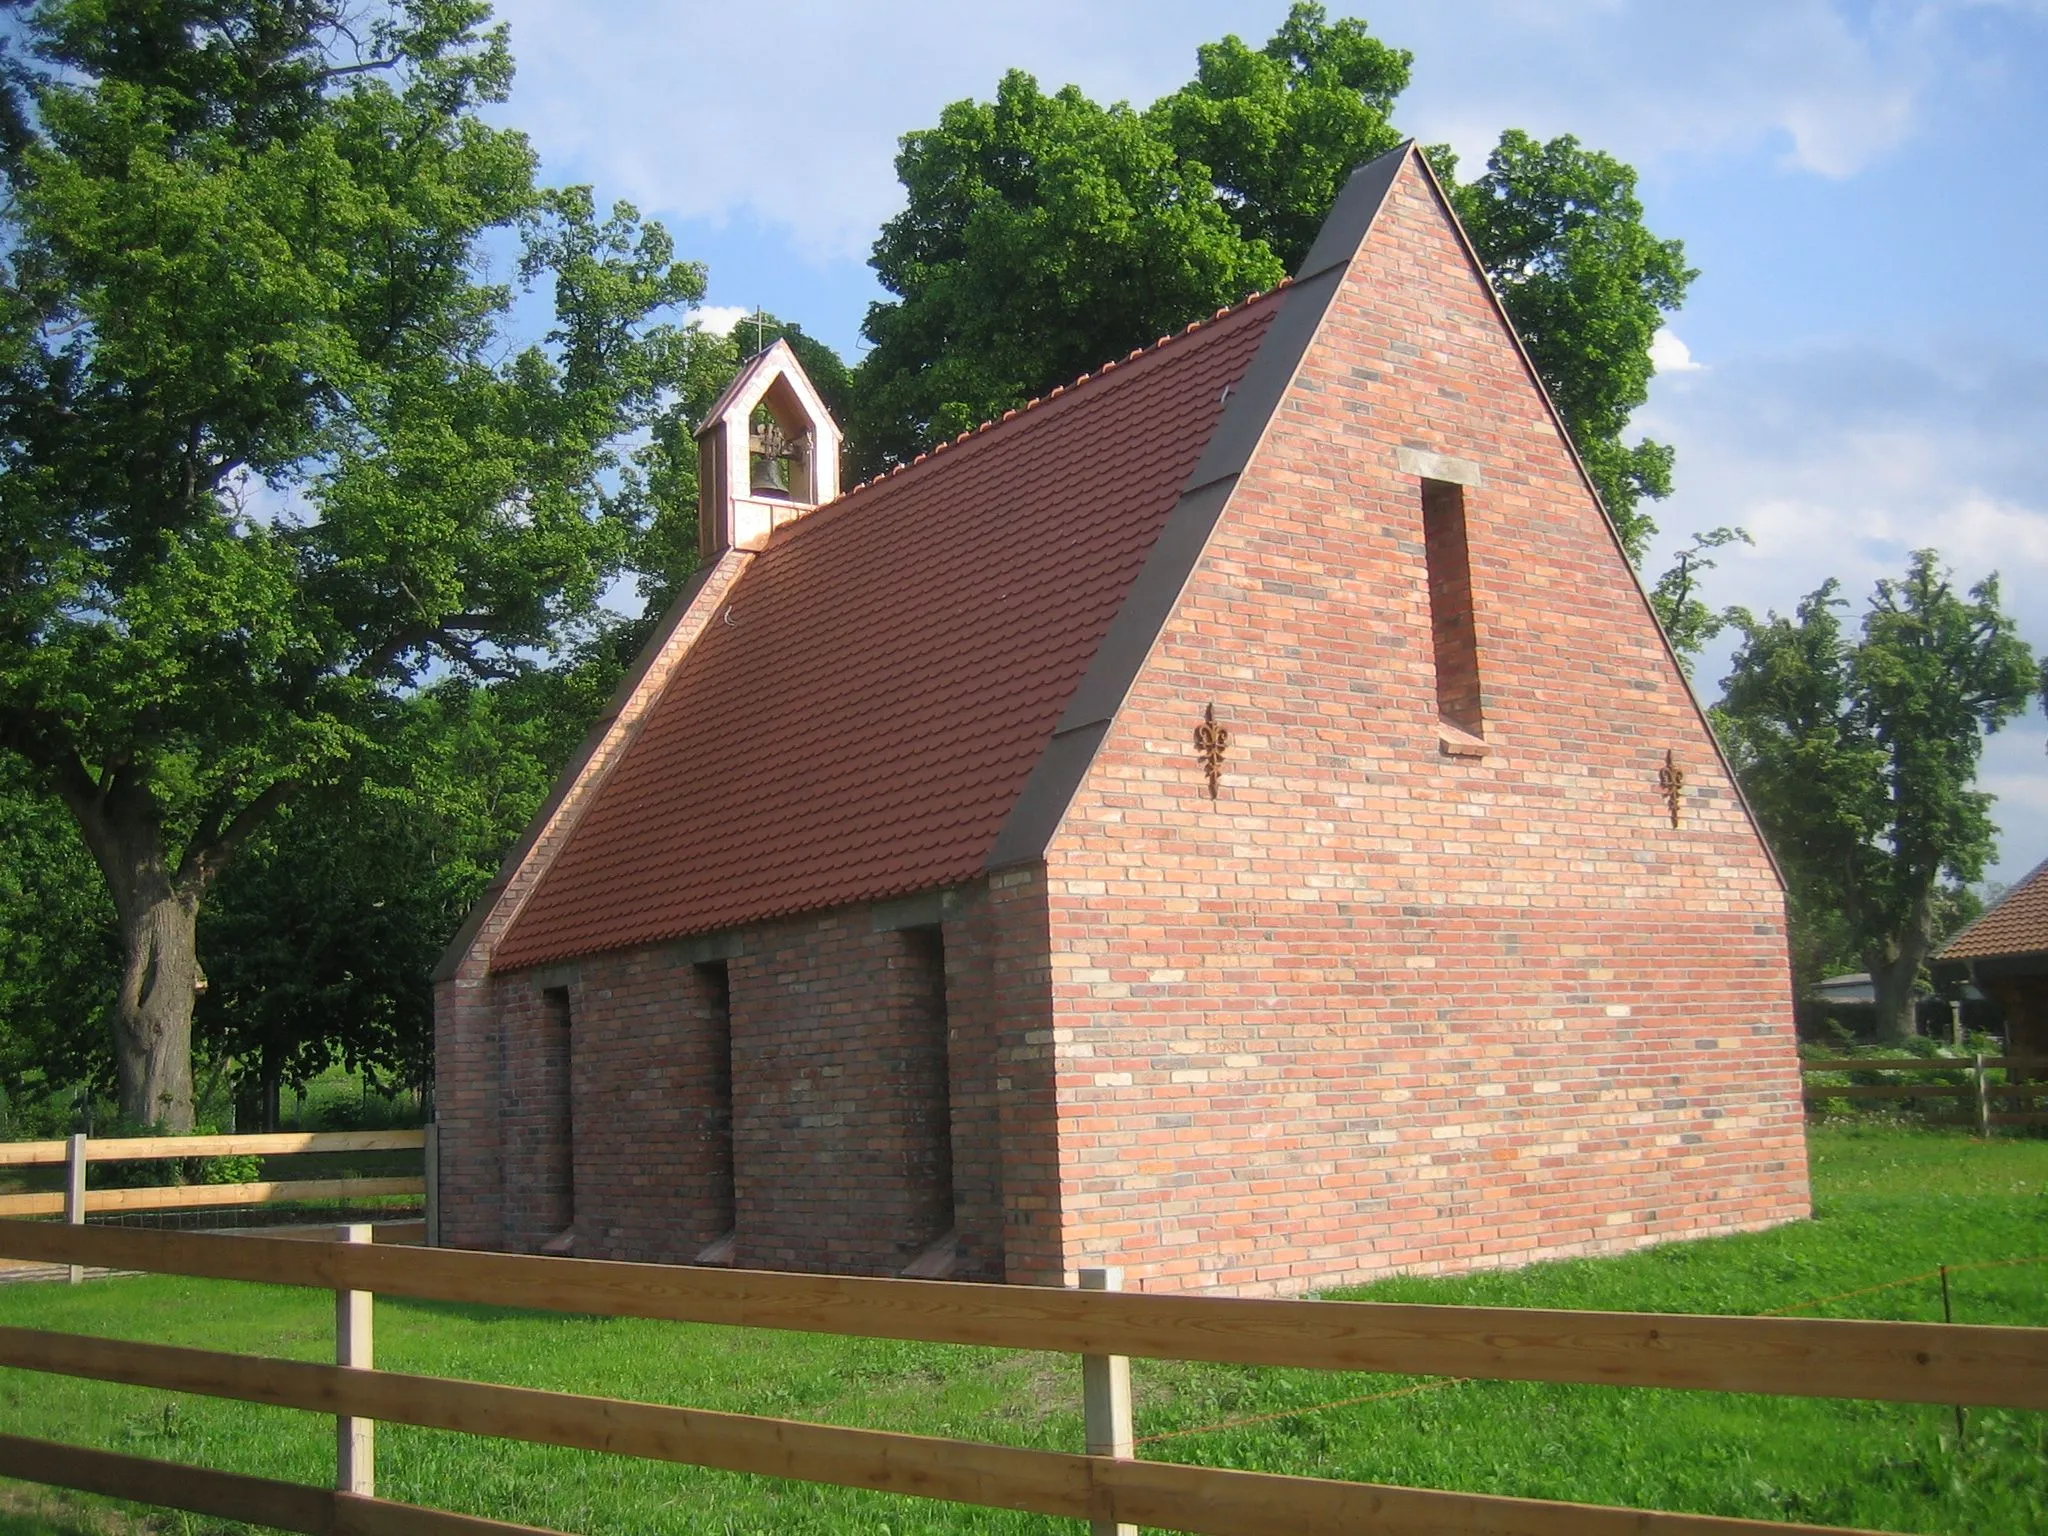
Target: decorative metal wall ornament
[
  {"x": 1212, "y": 741},
  {"x": 1671, "y": 782}
]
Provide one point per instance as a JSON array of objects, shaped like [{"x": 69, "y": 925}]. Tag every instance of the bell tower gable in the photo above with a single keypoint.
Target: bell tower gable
[{"x": 767, "y": 453}]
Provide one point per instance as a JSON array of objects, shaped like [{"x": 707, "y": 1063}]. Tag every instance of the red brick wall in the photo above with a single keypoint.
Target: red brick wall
[
  {"x": 841, "y": 1124},
  {"x": 1376, "y": 1007},
  {"x": 653, "y": 1127},
  {"x": 534, "y": 1117},
  {"x": 467, "y": 1072},
  {"x": 868, "y": 1110}
]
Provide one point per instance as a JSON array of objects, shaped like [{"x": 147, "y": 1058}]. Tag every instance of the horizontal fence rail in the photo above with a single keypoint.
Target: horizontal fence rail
[
  {"x": 1980, "y": 1088},
  {"x": 234, "y": 1495},
  {"x": 1905, "y": 1362},
  {"x": 1972, "y": 1365},
  {"x": 181, "y": 1197},
  {"x": 75, "y": 1202},
  {"x": 1173, "y": 1496},
  {"x": 1927, "y": 1064},
  {"x": 143, "y": 1149}
]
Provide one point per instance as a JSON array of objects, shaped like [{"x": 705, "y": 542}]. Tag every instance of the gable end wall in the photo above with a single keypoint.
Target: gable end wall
[{"x": 1377, "y": 1007}]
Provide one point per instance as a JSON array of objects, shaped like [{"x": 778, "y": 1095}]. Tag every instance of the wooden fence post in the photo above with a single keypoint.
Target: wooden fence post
[
  {"x": 74, "y": 1193},
  {"x": 430, "y": 1171},
  {"x": 1983, "y": 1098},
  {"x": 1106, "y": 1400},
  {"x": 355, "y": 1442}
]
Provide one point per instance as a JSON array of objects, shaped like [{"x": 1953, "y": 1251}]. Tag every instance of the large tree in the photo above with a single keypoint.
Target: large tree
[
  {"x": 266, "y": 457},
  {"x": 1860, "y": 756},
  {"x": 1044, "y": 234}
]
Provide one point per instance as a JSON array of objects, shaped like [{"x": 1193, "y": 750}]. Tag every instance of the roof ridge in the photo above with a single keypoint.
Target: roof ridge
[{"x": 1059, "y": 391}]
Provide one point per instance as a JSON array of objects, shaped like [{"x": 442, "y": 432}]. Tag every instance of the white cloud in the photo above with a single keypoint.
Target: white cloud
[
  {"x": 1829, "y": 88},
  {"x": 792, "y": 117},
  {"x": 1670, "y": 355},
  {"x": 718, "y": 319}
]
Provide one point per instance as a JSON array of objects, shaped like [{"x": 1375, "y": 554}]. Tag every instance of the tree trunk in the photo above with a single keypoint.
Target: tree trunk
[
  {"x": 1896, "y": 967},
  {"x": 158, "y": 906},
  {"x": 153, "y": 1011},
  {"x": 272, "y": 1090}
]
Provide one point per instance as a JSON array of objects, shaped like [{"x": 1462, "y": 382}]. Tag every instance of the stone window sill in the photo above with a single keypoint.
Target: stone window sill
[{"x": 1453, "y": 742}]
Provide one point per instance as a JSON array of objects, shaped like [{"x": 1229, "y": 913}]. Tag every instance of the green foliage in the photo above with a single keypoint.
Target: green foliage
[
  {"x": 324, "y": 933},
  {"x": 1561, "y": 232},
  {"x": 1686, "y": 617},
  {"x": 1890, "y": 1204},
  {"x": 59, "y": 961},
  {"x": 1860, "y": 759},
  {"x": 1045, "y": 235},
  {"x": 266, "y": 457},
  {"x": 231, "y": 1170},
  {"x": 1279, "y": 129}
]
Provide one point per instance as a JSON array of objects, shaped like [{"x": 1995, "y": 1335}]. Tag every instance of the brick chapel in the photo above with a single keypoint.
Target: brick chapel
[{"x": 1236, "y": 818}]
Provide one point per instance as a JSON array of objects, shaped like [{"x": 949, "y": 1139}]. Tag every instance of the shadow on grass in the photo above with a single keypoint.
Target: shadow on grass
[{"x": 30, "y": 1509}]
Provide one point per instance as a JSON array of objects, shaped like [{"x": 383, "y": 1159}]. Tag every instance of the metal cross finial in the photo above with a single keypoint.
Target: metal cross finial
[
  {"x": 1212, "y": 741},
  {"x": 1671, "y": 780}
]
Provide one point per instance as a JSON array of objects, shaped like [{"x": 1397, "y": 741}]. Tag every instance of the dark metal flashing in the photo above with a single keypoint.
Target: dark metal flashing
[
  {"x": 1147, "y": 606},
  {"x": 926, "y": 909},
  {"x": 707, "y": 949},
  {"x": 1054, "y": 779},
  {"x": 459, "y": 946},
  {"x": 1258, "y": 393},
  {"x": 1351, "y": 217},
  {"x": 1057, "y": 775}
]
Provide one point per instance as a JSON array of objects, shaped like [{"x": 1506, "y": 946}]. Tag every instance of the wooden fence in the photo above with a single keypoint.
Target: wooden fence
[
  {"x": 75, "y": 1202},
  {"x": 1886, "y": 1361},
  {"x": 1980, "y": 1091}
]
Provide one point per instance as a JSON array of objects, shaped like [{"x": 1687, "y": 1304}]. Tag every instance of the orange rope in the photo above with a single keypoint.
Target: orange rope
[
  {"x": 2039, "y": 1258},
  {"x": 1882, "y": 1285},
  {"x": 1886, "y": 1285},
  {"x": 1289, "y": 1413}
]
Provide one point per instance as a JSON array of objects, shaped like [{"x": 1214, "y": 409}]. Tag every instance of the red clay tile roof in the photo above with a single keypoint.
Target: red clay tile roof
[
  {"x": 2015, "y": 924},
  {"x": 862, "y": 716}
]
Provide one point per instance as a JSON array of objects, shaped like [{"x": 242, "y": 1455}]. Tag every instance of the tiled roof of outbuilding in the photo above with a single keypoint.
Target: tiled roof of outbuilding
[
  {"x": 2015, "y": 924},
  {"x": 862, "y": 716}
]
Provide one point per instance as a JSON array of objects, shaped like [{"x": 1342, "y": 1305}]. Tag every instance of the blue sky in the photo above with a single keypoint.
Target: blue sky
[{"x": 1861, "y": 370}]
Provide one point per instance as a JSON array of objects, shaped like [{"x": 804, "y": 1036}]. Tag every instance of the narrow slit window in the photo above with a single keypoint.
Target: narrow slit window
[
  {"x": 932, "y": 1101},
  {"x": 554, "y": 1134},
  {"x": 723, "y": 1201},
  {"x": 1455, "y": 635}
]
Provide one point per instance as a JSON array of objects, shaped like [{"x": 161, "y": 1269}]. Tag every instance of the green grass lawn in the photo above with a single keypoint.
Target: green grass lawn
[{"x": 1891, "y": 1203}]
